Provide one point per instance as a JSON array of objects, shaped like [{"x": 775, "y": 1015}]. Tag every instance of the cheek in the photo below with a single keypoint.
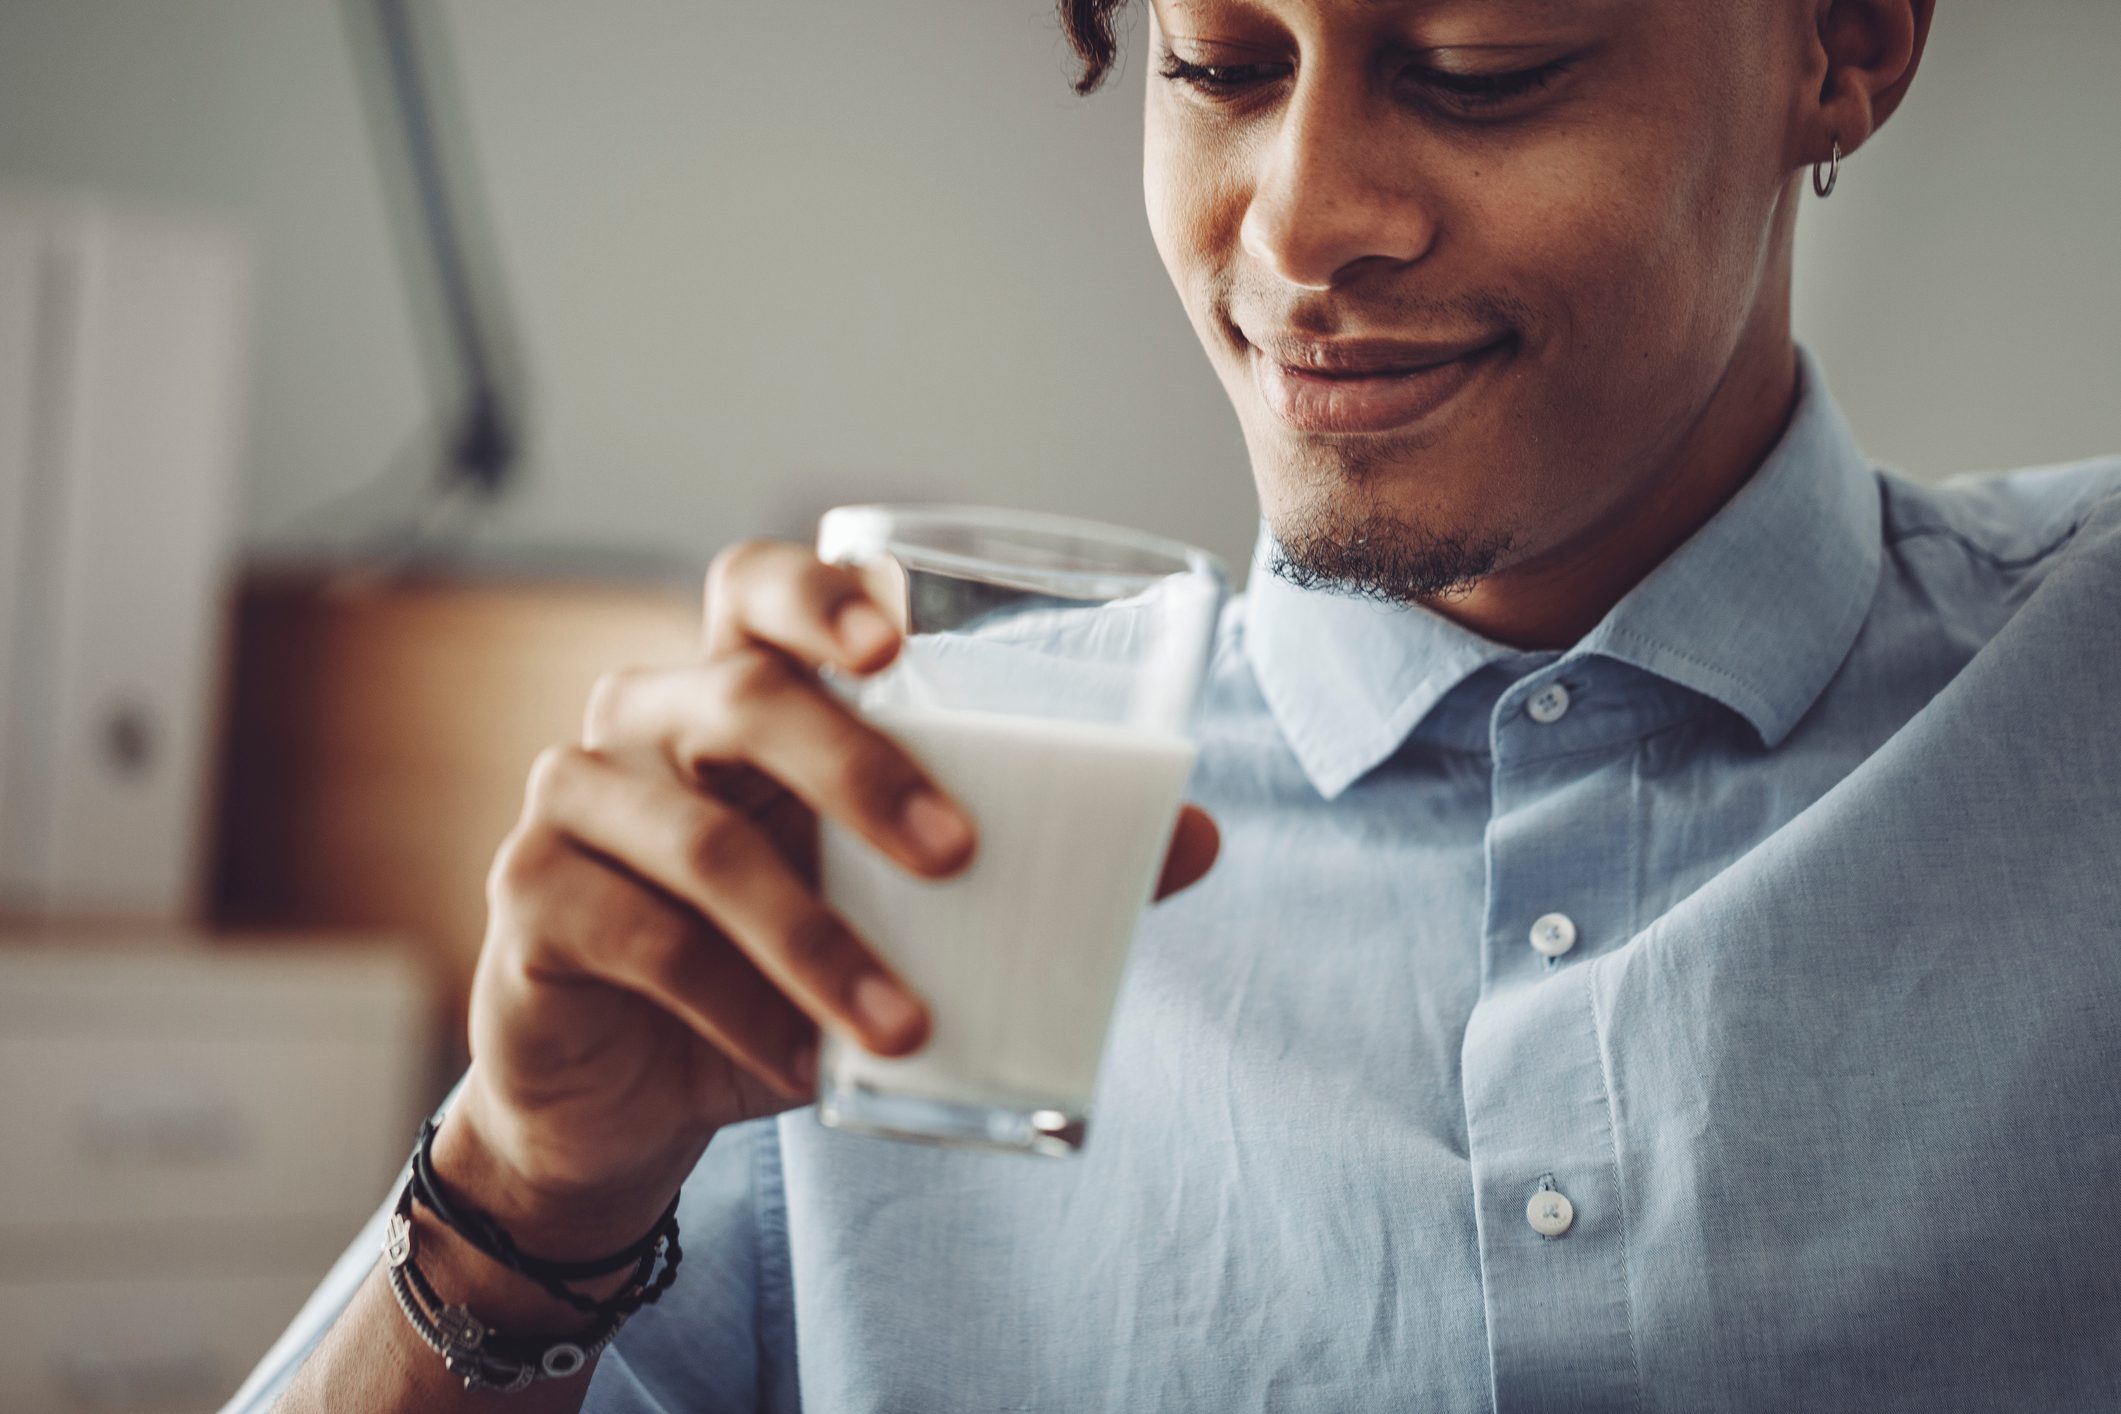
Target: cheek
[
  {"x": 1168, "y": 217},
  {"x": 1606, "y": 230},
  {"x": 1193, "y": 216},
  {"x": 1160, "y": 166}
]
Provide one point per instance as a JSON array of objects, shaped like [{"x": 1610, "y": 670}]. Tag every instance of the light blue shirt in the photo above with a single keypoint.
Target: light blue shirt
[{"x": 1827, "y": 812}]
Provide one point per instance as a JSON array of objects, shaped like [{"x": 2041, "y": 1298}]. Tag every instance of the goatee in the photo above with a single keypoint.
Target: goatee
[{"x": 1376, "y": 555}]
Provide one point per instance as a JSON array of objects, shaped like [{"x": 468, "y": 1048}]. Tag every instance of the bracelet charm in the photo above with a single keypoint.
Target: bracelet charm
[{"x": 460, "y": 1328}]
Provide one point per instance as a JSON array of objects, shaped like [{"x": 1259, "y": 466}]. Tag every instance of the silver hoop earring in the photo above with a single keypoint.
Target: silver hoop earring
[{"x": 1833, "y": 172}]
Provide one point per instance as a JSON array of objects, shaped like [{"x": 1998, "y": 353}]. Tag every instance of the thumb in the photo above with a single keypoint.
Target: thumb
[{"x": 1194, "y": 844}]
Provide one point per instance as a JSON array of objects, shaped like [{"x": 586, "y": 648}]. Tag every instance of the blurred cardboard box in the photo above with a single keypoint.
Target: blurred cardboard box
[{"x": 380, "y": 733}]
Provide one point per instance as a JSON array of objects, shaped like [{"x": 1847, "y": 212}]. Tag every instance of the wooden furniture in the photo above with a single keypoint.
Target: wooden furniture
[
  {"x": 192, "y": 1135},
  {"x": 380, "y": 732}
]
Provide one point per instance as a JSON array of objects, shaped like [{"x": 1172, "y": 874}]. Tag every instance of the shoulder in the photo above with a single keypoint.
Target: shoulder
[
  {"x": 2005, "y": 521},
  {"x": 2022, "y": 567}
]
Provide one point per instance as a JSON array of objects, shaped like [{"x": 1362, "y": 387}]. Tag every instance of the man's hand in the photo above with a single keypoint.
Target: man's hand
[{"x": 657, "y": 961}]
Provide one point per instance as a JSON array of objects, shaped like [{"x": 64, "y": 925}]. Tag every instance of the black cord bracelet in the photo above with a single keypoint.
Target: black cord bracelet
[{"x": 484, "y": 1232}]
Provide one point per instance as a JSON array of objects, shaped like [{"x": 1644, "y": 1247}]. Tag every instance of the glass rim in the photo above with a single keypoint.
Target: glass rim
[{"x": 895, "y": 526}]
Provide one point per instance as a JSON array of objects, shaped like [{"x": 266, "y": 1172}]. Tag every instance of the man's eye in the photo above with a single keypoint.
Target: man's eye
[
  {"x": 1215, "y": 80},
  {"x": 1471, "y": 91},
  {"x": 1452, "y": 92}
]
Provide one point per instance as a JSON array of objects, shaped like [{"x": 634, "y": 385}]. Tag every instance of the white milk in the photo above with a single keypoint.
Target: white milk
[{"x": 1020, "y": 956}]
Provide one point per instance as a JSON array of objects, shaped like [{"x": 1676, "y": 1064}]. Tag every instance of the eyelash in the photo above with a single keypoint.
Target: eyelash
[{"x": 1464, "y": 92}]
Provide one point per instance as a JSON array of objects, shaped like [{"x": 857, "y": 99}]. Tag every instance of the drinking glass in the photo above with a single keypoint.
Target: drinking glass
[{"x": 1048, "y": 681}]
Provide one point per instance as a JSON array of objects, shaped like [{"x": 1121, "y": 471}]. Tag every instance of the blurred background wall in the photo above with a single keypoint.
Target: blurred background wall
[
  {"x": 1964, "y": 282},
  {"x": 767, "y": 259}
]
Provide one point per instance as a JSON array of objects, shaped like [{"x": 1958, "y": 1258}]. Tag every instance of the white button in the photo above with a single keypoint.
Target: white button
[
  {"x": 1548, "y": 704},
  {"x": 1553, "y": 935},
  {"x": 1550, "y": 1213}
]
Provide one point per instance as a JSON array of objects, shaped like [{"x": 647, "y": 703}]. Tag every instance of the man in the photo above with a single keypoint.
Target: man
[{"x": 1666, "y": 950}]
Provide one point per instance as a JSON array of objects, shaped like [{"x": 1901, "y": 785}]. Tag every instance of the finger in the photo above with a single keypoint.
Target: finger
[
  {"x": 1194, "y": 845},
  {"x": 711, "y": 858},
  {"x": 754, "y": 706},
  {"x": 588, "y": 916},
  {"x": 780, "y": 595}
]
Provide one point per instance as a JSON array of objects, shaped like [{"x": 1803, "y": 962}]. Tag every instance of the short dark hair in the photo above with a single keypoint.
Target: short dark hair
[{"x": 1088, "y": 25}]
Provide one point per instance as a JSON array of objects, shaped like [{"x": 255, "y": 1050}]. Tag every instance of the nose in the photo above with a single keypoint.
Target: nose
[{"x": 1336, "y": 186}]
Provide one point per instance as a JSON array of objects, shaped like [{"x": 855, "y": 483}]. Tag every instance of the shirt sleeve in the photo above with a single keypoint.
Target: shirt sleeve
[{"x": 703, "y": 1347}]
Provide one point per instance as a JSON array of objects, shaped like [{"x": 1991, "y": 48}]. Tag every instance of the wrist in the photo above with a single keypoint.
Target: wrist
[{"x": 558, "y": 1219}]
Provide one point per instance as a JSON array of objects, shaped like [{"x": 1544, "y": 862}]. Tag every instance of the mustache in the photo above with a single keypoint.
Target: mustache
[{"x": 1327, "y": 315}]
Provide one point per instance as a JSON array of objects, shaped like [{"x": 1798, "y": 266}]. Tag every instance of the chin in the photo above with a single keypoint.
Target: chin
[{"x": 1390, "y": 522}]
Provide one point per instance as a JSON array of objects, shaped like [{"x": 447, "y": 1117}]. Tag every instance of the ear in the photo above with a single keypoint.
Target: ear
[{"x": 1865, "y": 53}]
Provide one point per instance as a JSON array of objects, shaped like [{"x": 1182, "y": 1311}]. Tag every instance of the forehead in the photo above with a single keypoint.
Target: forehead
[
  {"x": 1689, "y": 23},
  {"x": 1551, "y": 9},
  {"x": 1334, "y": 14}
]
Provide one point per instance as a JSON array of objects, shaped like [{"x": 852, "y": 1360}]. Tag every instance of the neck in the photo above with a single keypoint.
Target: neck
[{"x": 1555, "y": 598}]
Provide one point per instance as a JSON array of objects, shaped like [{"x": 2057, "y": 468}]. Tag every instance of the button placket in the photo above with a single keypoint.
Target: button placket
[
  {"x": 1537, "y": 1113},
  {"x": 1560, "y": 831}
]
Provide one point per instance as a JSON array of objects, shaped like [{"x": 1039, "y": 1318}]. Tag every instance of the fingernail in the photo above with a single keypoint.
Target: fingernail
[
  {"x": 884, "y": 1005},
  {"x": 939, "y": 831},
  {"x": 864, "y": 630}
]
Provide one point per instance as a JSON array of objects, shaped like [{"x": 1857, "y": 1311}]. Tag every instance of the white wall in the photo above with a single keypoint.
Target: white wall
[
  {"x": 767, "y": 258},
  {"x": 1963, "y": 283}
]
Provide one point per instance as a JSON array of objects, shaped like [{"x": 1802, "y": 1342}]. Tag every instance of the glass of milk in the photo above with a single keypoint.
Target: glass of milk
[{"x": 1048, "y": 681}]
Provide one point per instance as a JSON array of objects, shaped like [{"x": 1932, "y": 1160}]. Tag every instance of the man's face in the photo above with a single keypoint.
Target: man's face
[{"x": 1572, "y": 214}]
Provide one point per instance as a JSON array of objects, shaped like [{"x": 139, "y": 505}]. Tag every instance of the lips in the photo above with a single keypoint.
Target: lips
[{"x": 1366, "y": 385}]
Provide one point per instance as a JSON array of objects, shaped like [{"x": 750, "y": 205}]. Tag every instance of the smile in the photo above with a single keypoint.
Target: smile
[{"x": 1311, "y": 400}]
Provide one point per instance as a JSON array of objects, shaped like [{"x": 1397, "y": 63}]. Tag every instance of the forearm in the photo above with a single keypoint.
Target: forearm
[{"x": 372, "y": 1361}]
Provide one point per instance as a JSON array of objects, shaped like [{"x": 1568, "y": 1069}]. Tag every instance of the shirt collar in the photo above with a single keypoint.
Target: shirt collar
[{"x": 1755, "y": 610}]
